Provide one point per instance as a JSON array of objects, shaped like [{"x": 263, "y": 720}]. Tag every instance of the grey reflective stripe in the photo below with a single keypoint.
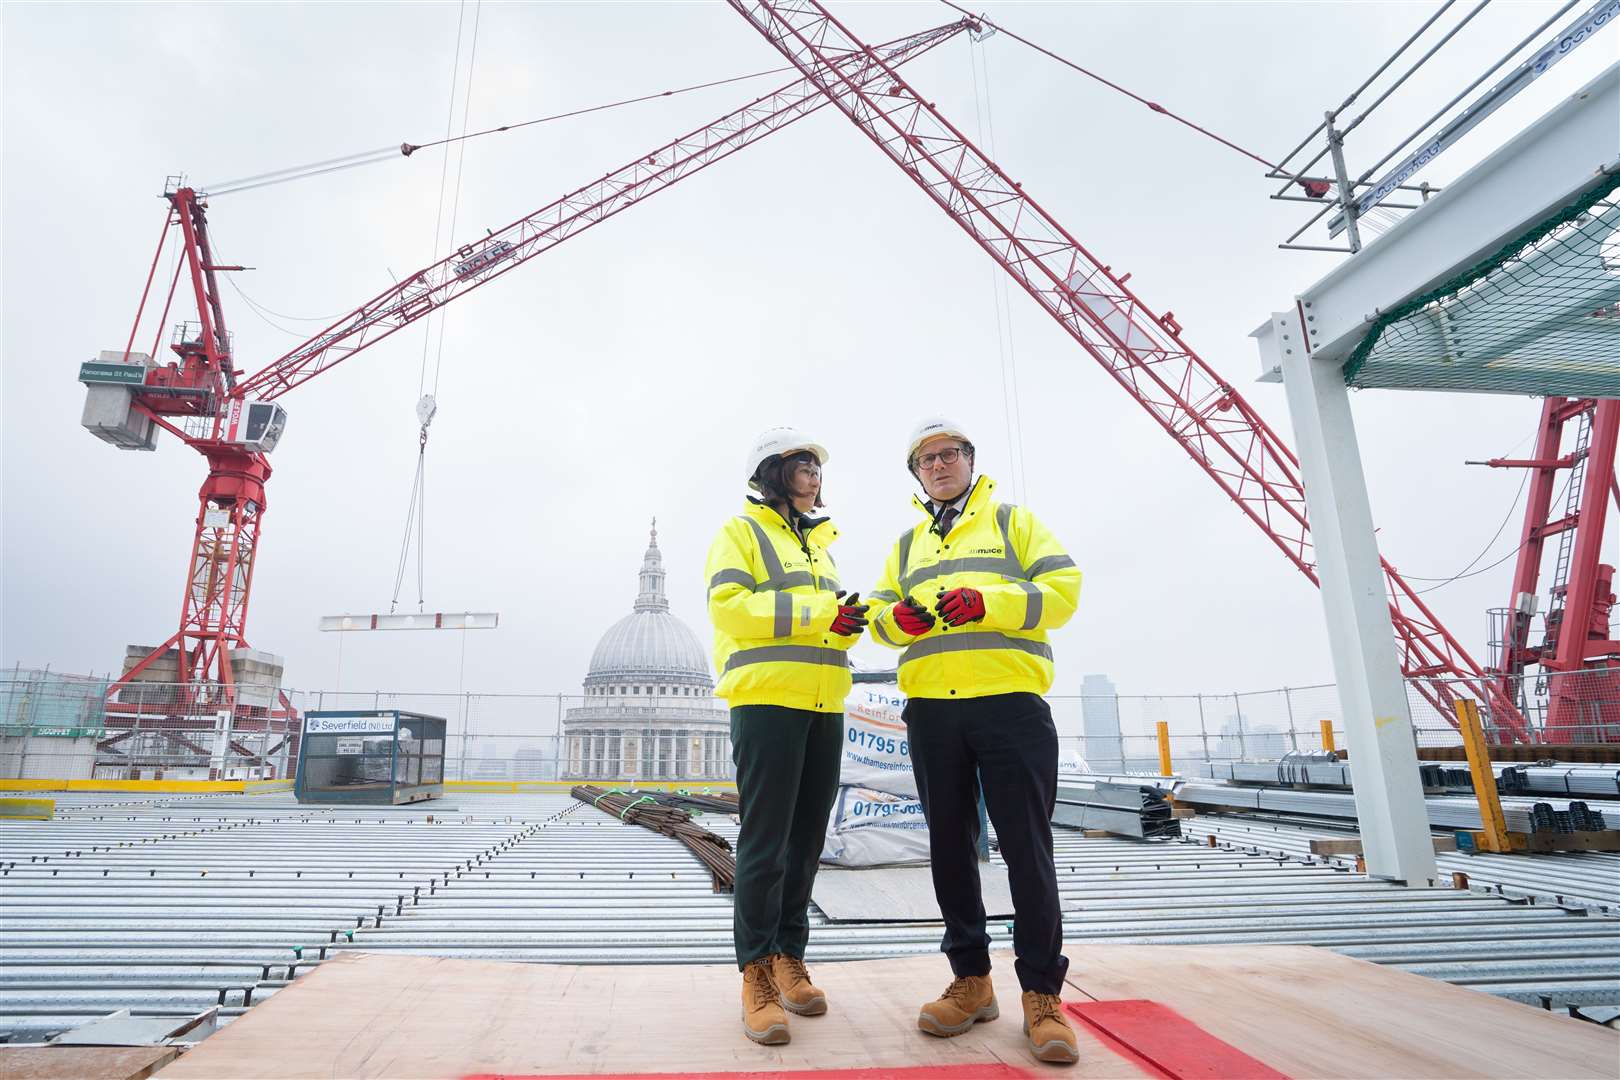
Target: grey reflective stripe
[
  {"x": 767, "y": 551},
  {"x": 979, "y": 640},
  {"x": 782, "y": 626},
  {"x": 979, "y": 564},
  {"x": 1004, "y": 514},
  {"x": 1032, "y": 611},
  {"x": 905, "y": 552},
  {"x": 792, "y": 654},
  {"x": 1047, "y": 565},
  {"x": 788, "y": 581},
  {"x": 732, "y": 577},
  {"x": 877, "y": 628},
  {"x": 828, "y": 584},
  {"x": 884, "y": 596}
]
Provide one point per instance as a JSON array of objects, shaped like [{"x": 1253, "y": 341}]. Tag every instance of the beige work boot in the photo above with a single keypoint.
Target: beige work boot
[
  {"x": 764, "y": 1021},
  {"x": 1047, "y": 1029},
  {"x": 968, "y": 1000},
  {"x": 799, "y": 995}
]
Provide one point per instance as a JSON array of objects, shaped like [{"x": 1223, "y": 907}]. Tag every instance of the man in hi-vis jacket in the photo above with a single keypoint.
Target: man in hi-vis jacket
[{"x": 968, "y": 595}]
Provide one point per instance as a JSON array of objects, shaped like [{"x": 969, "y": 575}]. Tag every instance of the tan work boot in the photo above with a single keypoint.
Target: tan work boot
[
  {"x": 763, "y": 1018},
  {"x": 1047, "y": 1029},
  {"x": 968, "y": 1000},
  {"x": 799, "y": 995}
]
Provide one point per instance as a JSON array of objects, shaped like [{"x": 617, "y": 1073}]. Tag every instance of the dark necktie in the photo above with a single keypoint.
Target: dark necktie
[{"x": 946, "y": 518}]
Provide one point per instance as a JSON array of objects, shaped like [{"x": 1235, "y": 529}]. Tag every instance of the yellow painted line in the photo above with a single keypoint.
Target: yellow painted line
[
  {"x": 33, "y": 785},
  {"x": 27, "y": 809},
  {"x": 151, "y": 787},
  {"x": 256, "y": 787},
  {"x": 518, "y": 787},
  {"x": 1383, "y": 721}
]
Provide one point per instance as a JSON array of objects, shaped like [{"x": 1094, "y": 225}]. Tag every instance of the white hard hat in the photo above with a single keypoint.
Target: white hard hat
[
  {"x": 931, "y": 427},
  {"x": 778, "y": 442}
]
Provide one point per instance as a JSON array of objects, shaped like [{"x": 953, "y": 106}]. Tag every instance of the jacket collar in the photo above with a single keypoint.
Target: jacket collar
[
  {"x": 978, "y": 495},
  {"x": 763, "y": 512}
]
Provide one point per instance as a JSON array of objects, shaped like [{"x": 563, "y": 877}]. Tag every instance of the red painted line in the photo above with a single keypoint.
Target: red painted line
[
  {"x": 986, "y": 1071},
  {"x": 1160, "y": 1039}
]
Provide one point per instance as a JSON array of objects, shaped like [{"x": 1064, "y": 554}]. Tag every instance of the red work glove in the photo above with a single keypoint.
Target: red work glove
[
  {"x": 912, "y": 618},
  {"x": 851, "y": 618},
  {"x": 961, "y": 606}
]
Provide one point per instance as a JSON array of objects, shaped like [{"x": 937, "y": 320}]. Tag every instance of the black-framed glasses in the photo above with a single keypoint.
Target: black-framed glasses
[{"x": 948, "y": 456}]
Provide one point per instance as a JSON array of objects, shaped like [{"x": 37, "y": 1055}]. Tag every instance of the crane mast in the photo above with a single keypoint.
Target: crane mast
[{"x": 1142, "y": 350}]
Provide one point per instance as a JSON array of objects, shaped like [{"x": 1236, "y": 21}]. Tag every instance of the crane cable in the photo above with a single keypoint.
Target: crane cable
[
  {"x": 427, "y": 403},
  {"x": 406, "y": 149},
  {"x": 1154, "y": 105},
  {"x": 999, "y": 298}
]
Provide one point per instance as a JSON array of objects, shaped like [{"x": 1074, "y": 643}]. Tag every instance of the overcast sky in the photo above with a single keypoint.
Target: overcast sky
[{"x": 805, "y": 281}]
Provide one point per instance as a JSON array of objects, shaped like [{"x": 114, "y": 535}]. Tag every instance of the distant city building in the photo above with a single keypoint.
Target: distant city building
[
  {"x": 650, "y": 712},
  {"x": 534, "y": 763},
  {"x": 1242, "y": 741},
  {"x": 1104, "y": 748}
]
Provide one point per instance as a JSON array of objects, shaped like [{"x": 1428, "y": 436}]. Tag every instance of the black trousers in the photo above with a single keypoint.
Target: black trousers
[
  {"x": 1008, "y": 743},
  {"x": 787, "y": 778}
]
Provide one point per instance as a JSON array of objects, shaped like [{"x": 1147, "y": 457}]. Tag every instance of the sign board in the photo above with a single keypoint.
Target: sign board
[
  {"x": 348, "y": 725},
  {"x": 351, "y": 746},
  {"x": 116, "y": 374}
]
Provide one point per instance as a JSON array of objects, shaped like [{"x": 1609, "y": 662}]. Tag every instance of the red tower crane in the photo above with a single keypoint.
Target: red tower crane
[
  {"x": 1142, "y": 350},
  {"x": 236, "y": 423},
  {"x": 1577, "y": 652}
]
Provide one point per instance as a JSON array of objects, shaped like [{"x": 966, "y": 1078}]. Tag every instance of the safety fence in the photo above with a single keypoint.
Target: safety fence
[{"x": 56, "y": 726}]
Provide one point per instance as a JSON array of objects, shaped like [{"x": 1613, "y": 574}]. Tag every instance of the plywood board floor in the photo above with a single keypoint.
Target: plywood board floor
[
  {"x": 1302, "y": 1011},
  {"x": 83, "y": 1062}
]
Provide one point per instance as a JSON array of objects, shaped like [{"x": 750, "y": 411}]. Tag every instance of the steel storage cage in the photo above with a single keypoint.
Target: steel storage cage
[{"x": 370, "y": 756}]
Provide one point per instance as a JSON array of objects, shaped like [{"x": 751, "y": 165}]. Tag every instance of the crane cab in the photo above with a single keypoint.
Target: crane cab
[{"x": 254, "y": 425}]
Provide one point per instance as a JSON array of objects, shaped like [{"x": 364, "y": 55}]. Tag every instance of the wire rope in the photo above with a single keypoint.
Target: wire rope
[
  {"x": 406, "y": 149},
  {"x": 1155, "y": 106},
  {"x": 427, "y": 407},
  {"x": 1006, "y": 348}
]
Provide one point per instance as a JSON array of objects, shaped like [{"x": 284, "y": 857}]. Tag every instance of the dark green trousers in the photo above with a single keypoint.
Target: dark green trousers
[{"x": 787, "y": 778}]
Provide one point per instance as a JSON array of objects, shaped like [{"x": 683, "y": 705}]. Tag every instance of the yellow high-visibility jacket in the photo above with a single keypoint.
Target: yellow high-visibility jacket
[
  {"x": 1030, "y": 586},
  {"x": 773, "y": 601}
]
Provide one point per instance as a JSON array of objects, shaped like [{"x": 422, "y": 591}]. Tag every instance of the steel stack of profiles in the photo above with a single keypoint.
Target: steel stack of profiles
[{"x": 1124, "y": 809}]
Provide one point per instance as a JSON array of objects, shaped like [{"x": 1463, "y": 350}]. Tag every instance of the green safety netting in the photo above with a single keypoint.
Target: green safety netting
[
  {"x": 45, "y": 703},
  {"x": 1540, "y": 315}
]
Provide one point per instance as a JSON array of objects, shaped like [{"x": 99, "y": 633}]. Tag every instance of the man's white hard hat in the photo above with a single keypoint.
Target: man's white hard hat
[
  {"x": 777, "y": 442},
  {"x": 932, "y": 427}
]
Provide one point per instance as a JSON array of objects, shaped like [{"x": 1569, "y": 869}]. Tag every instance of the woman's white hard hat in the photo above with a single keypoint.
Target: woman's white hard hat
[{"x": 778, "y": 442}]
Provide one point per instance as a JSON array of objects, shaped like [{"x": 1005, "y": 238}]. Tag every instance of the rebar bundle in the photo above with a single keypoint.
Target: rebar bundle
[
  {"x": 645, "y": 809},
  {"x": 708, "y": 802}
]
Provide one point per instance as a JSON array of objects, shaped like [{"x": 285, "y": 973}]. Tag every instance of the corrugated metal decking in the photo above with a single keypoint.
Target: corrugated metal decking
[{"x": 167, "y": 906}]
